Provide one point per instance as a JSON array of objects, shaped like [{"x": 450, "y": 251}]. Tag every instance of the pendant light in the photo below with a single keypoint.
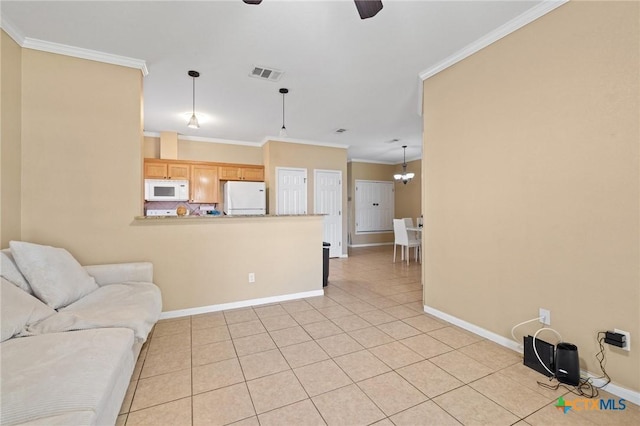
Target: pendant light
[
  {"x": 193, "y": 122},
  {"x": 404, "y": 176},
  {"x": 283, "y": 130}
]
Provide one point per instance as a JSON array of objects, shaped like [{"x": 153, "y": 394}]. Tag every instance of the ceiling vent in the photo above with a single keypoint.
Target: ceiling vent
[{"x": 265, "y": 73}]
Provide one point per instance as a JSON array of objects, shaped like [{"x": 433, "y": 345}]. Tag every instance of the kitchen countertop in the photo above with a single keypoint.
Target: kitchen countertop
[{"x": 218, "y": 219}]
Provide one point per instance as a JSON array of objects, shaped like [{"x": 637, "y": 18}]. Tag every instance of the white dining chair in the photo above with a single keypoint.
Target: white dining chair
[
  {"x": 413, "y": 235},
  {"x": 402, "y": 239}
]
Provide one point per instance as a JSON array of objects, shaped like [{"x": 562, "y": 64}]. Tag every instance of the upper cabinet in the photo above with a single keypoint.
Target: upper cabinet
[
  {"x": 249, "y": 173},
  {"x": 204, "y": 184},
  {"x": 178, "y": 171},
  {"x": 166, "y": 169},
  {"x": 155, "y": 170}
]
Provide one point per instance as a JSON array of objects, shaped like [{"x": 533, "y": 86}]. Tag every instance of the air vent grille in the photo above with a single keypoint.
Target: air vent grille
[{"x": 265, "y": 73}]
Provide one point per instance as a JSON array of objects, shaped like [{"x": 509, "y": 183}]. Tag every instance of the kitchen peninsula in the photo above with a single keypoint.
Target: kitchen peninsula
[{"x": 205, "y": 261}]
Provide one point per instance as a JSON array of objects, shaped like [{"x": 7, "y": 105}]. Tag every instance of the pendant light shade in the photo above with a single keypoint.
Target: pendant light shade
[
  {"x": 404, "y": 176},
  {"x": 193, "y": 122},
  {"x": 283, "y": 130}
]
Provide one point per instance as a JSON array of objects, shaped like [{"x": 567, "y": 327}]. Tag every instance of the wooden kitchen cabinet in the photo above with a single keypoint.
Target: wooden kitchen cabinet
[
  {"x": 178, "y": 171},
  {"x": 155, "y": 170},
  {"x": 242, "y": 173},
  {"x": 166, "y": 170},
  {"x": 204, "y": 184}
]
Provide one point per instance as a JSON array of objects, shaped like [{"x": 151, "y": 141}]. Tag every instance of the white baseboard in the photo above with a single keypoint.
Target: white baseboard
[
  {"x": 627, "y": 394},
  {"x": 490, "y": 335},
  {"x": 241, "y": 304},
  {"x": 370, "y": 245}
]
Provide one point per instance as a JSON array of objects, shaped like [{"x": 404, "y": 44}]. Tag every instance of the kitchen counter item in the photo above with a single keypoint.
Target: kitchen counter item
[{"x": 162, "y": 212}]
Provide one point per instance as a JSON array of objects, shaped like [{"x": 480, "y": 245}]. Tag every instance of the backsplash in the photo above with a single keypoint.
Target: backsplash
[{"x": 193, "y": 208}]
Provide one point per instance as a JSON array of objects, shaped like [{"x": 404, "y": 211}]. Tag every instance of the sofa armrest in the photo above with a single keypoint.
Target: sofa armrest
[{"x": 120, "y": 272}]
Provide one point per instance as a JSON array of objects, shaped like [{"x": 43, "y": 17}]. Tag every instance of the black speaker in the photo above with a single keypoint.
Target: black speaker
[{"x": 567, "y": 364}]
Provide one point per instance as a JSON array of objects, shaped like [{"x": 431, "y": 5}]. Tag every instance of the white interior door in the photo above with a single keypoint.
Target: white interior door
[
  {"x": 328, "y": 201},
  {"x": 291, "y": 192},
  {"x": 374, "y": 206}
]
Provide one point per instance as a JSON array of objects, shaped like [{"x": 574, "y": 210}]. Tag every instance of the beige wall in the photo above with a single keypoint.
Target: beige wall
[
  {"x": 82, "y": 154},
  {"x": 207, "y": 151},
  {"x": 310, "y": 157},
  {"x": 11, "y": 123},
  {"x": 531, "y": 184},
  {"x": 408, "y": 196}
]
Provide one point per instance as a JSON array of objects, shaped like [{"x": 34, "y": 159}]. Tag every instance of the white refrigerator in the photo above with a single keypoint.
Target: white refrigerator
[{"x": 245, "y": 198}]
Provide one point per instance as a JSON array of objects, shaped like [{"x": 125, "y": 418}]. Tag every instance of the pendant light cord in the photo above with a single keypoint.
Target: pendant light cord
[
  {"x": 404, "y": 159},
  {"x": 194, "y": 95},
  {"x": 283, "y": 110}
]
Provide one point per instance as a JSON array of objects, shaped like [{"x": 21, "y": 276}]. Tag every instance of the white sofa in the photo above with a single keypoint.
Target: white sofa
[{"x": 70, "y": 365}]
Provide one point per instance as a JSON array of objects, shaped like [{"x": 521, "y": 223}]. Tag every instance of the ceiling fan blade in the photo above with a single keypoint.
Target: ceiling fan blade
[
  {"x": 252, "y": 1},
  {"x": 368, "y": 8}
]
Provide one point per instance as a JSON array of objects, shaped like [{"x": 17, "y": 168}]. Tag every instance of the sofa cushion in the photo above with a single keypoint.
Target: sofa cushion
[
  {"x": 58, "y": 376},
  {"x": 9, "y": 271},
  {"x": 132, "y": 305},
  {"x": 54, "y": 275},
  {"x": 18, "y": 310}
]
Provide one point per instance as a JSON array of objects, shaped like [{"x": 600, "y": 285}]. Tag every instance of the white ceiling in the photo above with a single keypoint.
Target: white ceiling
[{"x": 341, "y": 71}]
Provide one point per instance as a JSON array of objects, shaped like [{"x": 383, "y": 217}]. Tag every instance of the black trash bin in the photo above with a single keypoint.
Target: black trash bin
[{"x": 325, "y": 263}]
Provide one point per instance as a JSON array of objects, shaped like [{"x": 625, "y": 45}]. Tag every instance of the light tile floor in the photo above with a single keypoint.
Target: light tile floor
[{"x": 364, "y": 353}]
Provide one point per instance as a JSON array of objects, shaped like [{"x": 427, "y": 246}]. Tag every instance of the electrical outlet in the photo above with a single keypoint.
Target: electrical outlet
[
  {"x": 545, "y": 316},
  {"x": 627, "y": 346},
  {"x": 252, "y": 277}
]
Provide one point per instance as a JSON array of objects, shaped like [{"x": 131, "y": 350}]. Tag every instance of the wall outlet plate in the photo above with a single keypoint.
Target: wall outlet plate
[
  {"x": 252, "y": 277},
  {"x": 545, "y": 316},
  {"x": 627, "y": 346}
]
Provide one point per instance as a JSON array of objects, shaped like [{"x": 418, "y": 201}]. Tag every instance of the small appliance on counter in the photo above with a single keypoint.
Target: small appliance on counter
[
  {"x": 165, "y": 212},
  {"x": 208, "y": 210},
  {"x": 166, "y": 190}
]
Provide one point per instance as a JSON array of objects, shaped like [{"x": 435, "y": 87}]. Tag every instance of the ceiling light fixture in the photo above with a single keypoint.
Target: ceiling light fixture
[
  {"x": 193, "y": 122},
  {"x": 283, "y": 130},
  {"x": 404, "y": 177}
]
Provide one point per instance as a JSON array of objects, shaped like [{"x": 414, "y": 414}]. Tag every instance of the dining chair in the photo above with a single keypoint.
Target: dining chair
[
  {"x": 403, "y": 240},
  {"x": 413, "y": 235}
]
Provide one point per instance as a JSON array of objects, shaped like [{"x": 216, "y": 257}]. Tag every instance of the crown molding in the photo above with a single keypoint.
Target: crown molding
[
  {"x": 302, "y": 142},
  {"x": 76, "y": 52},
  {"x": 79, "y": 52},
  {"x": 246, "y": 143},
  {"x": 502, "y": 31},
  {"x": 362, "y": 160},
  {"x": 388, "y": 163},
  {"x": 12, "y": 31},
  {"x": 205, "y": 139}
]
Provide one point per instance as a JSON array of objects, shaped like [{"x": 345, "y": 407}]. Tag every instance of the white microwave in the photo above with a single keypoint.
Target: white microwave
[{"x": 166, "y": 190}]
